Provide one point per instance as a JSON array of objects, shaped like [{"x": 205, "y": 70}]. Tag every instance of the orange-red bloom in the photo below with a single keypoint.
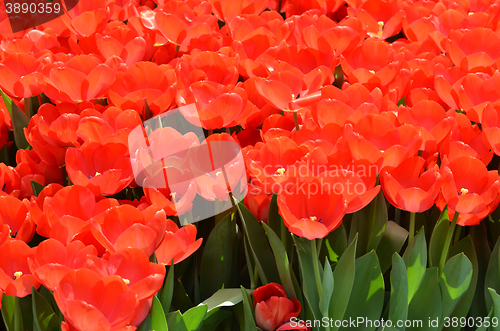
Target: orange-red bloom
[
  {"x": 408, "y": 188},
  {"x": 272, "y": 307},
  {"x": 178, "y": 244}
]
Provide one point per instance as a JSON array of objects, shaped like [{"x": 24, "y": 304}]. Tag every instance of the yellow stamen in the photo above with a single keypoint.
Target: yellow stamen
[
  {"x": 471, "y": 13},
  {"x": 126, "y": 281},
  {"x": 380, "y": 28},
  {"x": 281, "y": 171},
  {"x": 313, "y": 218},
  {"x": 173, "y": 195},
  {"x": 293, "y": 96},
  {"x": 372, "y": 72},
  {"x": 18, "y": 274},
  {"x": 10, "y": 233},
  {"x": 218, "y": 173},
  {"x": 97, "y": 173},
  {"x": 464, "y": 191}
]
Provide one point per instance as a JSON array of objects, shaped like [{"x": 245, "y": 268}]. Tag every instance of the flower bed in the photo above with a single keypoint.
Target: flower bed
[{"x": 250, "y": 165}]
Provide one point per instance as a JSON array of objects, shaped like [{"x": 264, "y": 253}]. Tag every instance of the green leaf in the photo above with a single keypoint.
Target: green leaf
[
  {"x": 214, "y": 318},
  {"x": 496, "y": 306},
  {"x": 281, "y": 258},
  {"x": 274, "y": 217},
  {"x": 168, "y": 289},
  {"x": 174, "y": 322},
  {"x": 216, "y": 262},
  {"x": 19, "y": 121},
  {"x": 343, "y": 277},
  {"x": 372, "y": 223},
  {"x": 328, "y": 285},
  {"x": 310, "y": 289},
  {"x": 415, "y": 258},
  {"x": 158, "y": 321},
  {"x": 194, "y": 317},
  {"x": 224, "y": 298},
  {"x": 259, "y": 246},
  {"x": 334, "y": 244},
  {"x": 180, "y": 299},
  {"x": 249, "y": 322},
  {"x": 37, "y": 187},
  {"x": 391, "y": 242},
  {"x": 437, "y": 238},
  {"x": 426, "y": 304},
  {"x": 367, "y": 295},
  {"x": 11, "y": 313},
  {"x": 454, "y": 282},
  {"x": 467, "y": 247},
  {"x": 44, "y": 317},
  {"x": 492, "y": 278},
  {"x": 398, "y": 305}
]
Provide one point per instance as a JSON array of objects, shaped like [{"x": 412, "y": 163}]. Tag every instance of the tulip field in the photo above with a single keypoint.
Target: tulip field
[{"x": 220, "y": 165}]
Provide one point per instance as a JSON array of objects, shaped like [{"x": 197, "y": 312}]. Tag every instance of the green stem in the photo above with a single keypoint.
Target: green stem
[
  {"x": 316, "y": 266},
  {"x": 296, "y": 120},
  {"x": 457, "y": 235},
  {"x": 447, "y": 242},
  {"x": 412, "y": 227}
]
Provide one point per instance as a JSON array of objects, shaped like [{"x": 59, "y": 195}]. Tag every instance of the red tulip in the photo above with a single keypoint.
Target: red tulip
[
  {"x": 15, "y": 276},
  {"x": 103, "y": 168},
  {"x": 10, "y": 181},
  {"x": 142, "y": 276},
  {"x": 134, "y": 87},
  {"x": 178, "y": 244},
  {"x": 408, "y": 188},
  {"x": 20, "y": 73},
  {"x": 81, "y": 78},
  {"x": 53, "y": 260},
  {"x": 258, "y": 203},
  {"x": 125, "y": 226},
  {"x": 272, "y": 307},
  {"x": 469, "y": 189},
  {"x": 311, "y": 209},
  {"x": 14, "y": 213},
  {"x": 90, "y": 301}
]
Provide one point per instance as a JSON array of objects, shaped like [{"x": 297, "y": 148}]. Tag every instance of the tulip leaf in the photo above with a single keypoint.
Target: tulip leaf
[
  {"x": 415, "y": 258},
  {"x": 274, "y": 217},
  {"x": 168, "y": 290},
  {"x": 44, "y": 317},
  {"x": 343, "y": 277},
  {"x": 31, "y": 106},
  {"x": 194, "y": 317},
  {"x": 216, "y": 262},
  {"x": 367, "y": 295},
  {"x": 370, "y": 223},
  {"x": 19, "y": 121},
  {"x": 496, "y": 306},
  {"x": 174, "y": 321},
  {"x": 328, "y": 286},
  {"x": 37, "y": 187},
  {"x": 398, "y": 304},
  {"x": 438, "y": 237},
  {"x": 223, "y": 298},
  {"x": 467, "y": 247},
  {"x": 282, "y": 262},
  {"x": 334, "y": 244},
  {"x": 310, "y": 289},
  {"x": 391, "y": 242},
  {"x": 214, "y": 317},
  {"x": 259, "y": 245},
  {"x": 492, "y": 278},
  {"x": 11, "y": 313},
  {"x": 180, "y": 299},
  {"x": 425, "y": 306},
  {"x": 249, "y": 322},
  {"x": 158, "y": 321},
  {"x": 454, "y": 282}
]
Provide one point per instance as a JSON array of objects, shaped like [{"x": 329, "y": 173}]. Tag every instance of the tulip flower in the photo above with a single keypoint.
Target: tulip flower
[
  {"x": 407, "y": 188},
  {"x": 89, "y": 301},
  {"x": 311, "y": 209},
  {"x": 469, "y": 189},
  {"x": 20, "y": 72},
  {"x": 13, "y": 212},
  {"x": 52, "y": 260},
  {"x": 272, "y": 307},
  {"x": 178, "y": 244},
  {"x": 15, "y": 276}
]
